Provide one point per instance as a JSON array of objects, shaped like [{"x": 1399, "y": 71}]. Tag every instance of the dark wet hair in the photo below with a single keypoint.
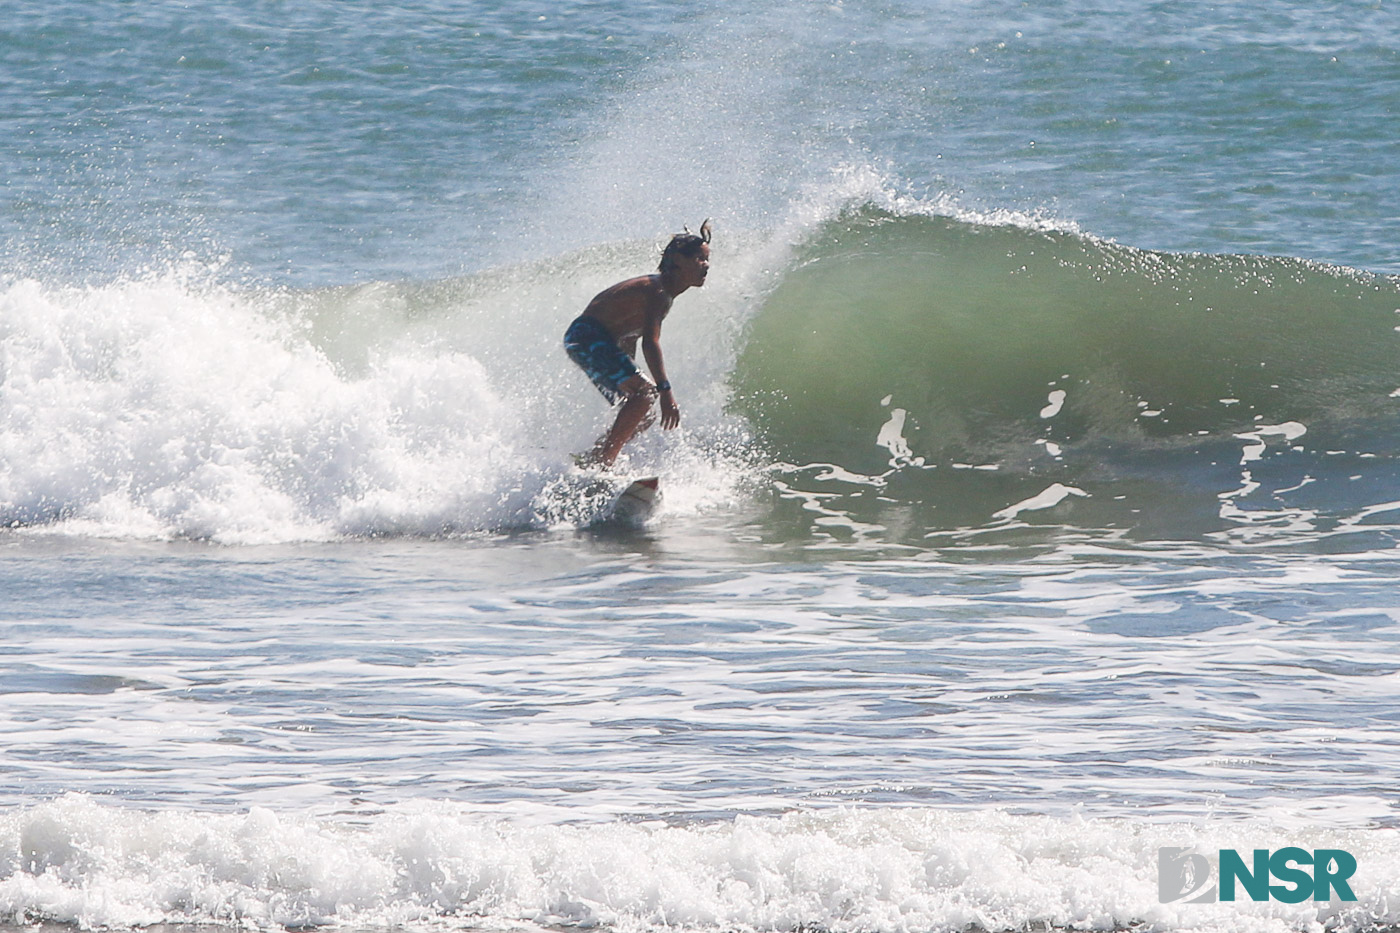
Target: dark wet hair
[{"x": 685, "y": 244}]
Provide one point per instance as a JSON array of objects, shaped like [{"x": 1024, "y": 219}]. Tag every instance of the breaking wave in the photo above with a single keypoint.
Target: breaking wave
[{"x": 875, "y": 362}]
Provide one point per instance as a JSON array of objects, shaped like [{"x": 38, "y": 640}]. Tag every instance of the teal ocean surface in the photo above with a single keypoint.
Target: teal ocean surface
[{"x": 1035, "y": 505}]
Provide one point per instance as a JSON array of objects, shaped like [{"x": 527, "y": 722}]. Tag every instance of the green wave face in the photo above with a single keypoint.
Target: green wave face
[{"x": 910, "y": 347}]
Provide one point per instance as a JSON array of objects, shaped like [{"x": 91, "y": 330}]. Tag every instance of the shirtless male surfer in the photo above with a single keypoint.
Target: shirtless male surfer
[{"x": 603, "y": 340}]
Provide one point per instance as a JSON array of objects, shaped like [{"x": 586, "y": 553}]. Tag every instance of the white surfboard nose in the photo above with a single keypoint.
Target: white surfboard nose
[{"x": 638, "y": 499}]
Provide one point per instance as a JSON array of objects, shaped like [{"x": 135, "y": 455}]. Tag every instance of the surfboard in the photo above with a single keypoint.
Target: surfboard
[
  {"x": 584, "y": 498},
  {"x": 635, "y": 503}
]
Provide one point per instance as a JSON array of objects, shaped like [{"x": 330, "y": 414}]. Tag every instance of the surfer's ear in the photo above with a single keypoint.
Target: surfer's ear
[{"x": 705, "y": 231}]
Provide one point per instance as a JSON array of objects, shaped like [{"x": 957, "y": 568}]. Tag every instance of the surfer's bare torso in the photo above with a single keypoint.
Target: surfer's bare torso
[{"x": 632, "y": 309}]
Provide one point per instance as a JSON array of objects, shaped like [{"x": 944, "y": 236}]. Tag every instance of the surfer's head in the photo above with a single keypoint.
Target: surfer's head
[{"x": 688, "y": 246}]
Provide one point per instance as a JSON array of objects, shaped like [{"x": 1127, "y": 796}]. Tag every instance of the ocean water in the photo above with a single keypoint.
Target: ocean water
[{"x": 1034, "y": 506}]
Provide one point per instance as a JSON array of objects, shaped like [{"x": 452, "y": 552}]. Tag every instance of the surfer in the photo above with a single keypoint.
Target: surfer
[{"x": 603, "y": 341}]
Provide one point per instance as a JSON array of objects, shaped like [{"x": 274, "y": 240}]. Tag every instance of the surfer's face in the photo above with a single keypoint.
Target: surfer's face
[{"x": 693, "y": 269}]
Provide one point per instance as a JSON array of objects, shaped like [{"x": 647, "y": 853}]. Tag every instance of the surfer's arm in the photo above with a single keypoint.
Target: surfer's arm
[{"x": 651, "y": 349}]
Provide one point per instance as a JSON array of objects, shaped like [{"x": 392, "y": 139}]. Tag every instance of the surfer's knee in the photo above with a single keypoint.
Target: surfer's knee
[{"x": 638, "y": 392}]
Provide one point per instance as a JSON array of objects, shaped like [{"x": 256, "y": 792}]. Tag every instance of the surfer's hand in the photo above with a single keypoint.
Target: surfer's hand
[{"x": 670, "y": 411}]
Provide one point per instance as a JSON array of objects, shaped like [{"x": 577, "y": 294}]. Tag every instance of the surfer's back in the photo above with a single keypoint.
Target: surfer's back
[{"x": 623, "y": 308}]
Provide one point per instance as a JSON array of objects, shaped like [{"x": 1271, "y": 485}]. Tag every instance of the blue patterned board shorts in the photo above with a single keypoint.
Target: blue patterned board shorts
[{"x": 589, "y": 344}]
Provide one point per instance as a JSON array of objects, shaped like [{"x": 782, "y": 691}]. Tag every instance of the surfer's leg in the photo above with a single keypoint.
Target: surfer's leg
[
  {"x": 632, "y": 417},
  {"x": 616, "y": 376}
]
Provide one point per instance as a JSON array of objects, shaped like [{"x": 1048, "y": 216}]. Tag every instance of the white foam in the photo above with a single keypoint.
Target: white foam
[
  {"x": 429, "y": 865},
  {"x": 1047, "y": 498},
  {"x": 891, "y": 437},
  {"x": 1289, "y": 431},
  {"x": 172, "y": 406}
]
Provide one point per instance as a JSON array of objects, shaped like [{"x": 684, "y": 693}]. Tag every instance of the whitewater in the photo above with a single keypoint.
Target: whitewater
[{"x": 1032, "y": 512}]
